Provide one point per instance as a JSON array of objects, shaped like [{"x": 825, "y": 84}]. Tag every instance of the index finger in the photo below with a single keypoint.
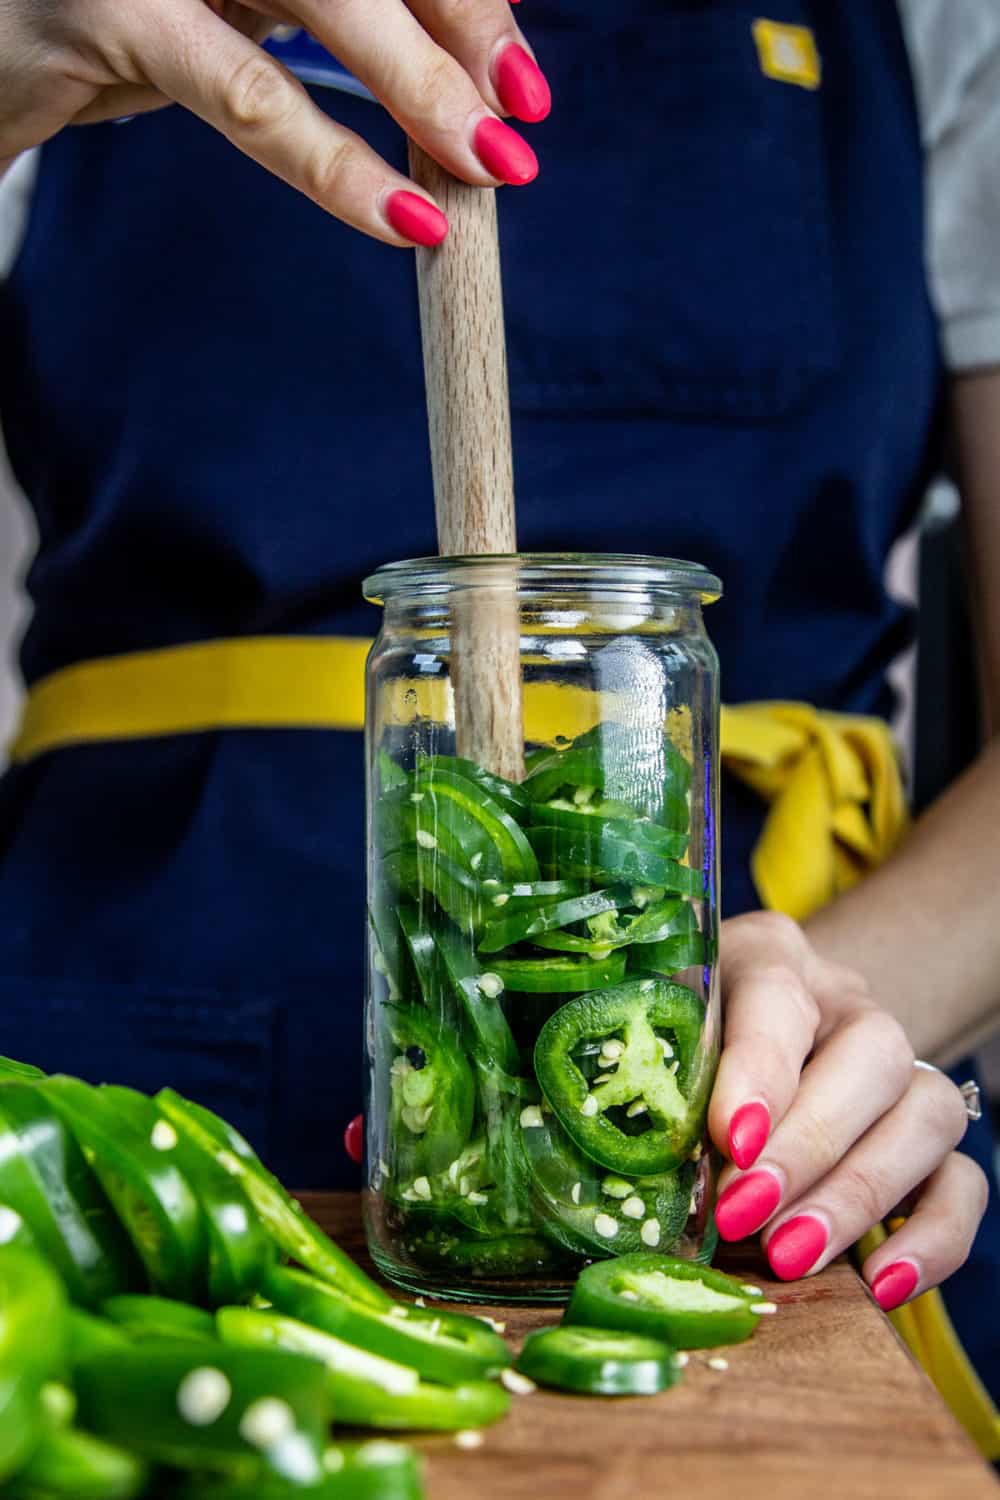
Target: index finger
[
  {"x": 234, "y": 85},
  {"x": 770, "y": 1029}
]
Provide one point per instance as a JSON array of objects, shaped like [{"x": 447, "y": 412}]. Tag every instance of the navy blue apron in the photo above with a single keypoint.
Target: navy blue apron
[{"x": 213, "y": 399}]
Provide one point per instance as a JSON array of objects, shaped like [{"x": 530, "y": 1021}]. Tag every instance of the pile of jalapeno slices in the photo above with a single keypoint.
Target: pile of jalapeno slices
[
  {"x": 172, "y": 1324},
  {"x": 540, "y": 1081}
]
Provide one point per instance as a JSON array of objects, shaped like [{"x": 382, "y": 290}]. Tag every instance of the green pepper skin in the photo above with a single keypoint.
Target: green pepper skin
[
  {"x": 517, "y": 859},
  {"x": 562, "y": 975},
  {"x": 194, "y": 1406},
  {"x": 610, "y": 857},
  {"x": 9, "y": 1066},
  {"x": 670, "y": 843},
  {"x": 417, "y": 871},
  {"x": 657, "y": 789},
  {"x": 509, "y": 1256},
  {"x": 33, "y": 1336},
  {"x": 490, "y": 1040},
  {"x": 418, "y": 814},
  {"x": 505, "y": 930},
  {"x": 432, "y": 1093},
  {"x": 643, "y": 1011},
  {"x": 442, "y": 1346},
  {"x": 294, "y": 1233},
  {"x": 146, "y": 1317},
  {"x": 376, "y": 1470},
  {"x": 661, "y": 1299},
  {"x": 598, "y": 1362},
  {"x": 89, "y": 1335},
  {"x": 508, "y": 794},
  {"x": 149, "y": 1193},
  {"x": 368, "y": 1390},
  {"x": 80, "y": 1467},
  {"x": 238, "y": 1249},
  {"x": 570, "y": 1193},
  {"x": 45, "y": 1180}
]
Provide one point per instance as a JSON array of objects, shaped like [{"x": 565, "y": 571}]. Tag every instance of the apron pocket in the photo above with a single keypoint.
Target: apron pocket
[{"x": 675, "y": 255}]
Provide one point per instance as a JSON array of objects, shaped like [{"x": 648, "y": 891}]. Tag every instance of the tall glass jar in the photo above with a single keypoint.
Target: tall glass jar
[{"x": 542, "y": 1024}]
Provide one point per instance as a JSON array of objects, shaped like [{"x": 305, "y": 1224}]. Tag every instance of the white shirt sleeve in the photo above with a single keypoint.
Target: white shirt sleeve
[
  {"x": 15, "y": 200},
  {"x": 954, "y": 50}
]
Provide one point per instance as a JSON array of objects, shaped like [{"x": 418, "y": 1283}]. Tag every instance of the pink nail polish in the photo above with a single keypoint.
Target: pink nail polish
[
  {"x": 748, "y": 1132},
  {"x": 415, "y": 218},
  {"x": 795, "y": 1248},
  {"x": 894, "y": 1284},
  {"x": 521, "y": 85},
  {"x": 504, "y": 153},
  {"x": 747, "y": 1204}
]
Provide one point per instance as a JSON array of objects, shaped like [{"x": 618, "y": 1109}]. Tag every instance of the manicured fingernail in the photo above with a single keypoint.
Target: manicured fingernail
[
  {"x": 504, "y": 153},
  {"x": 354, "y": 1138},
  {"x": 795, "y": 1248},
  {"x": 747, "y": 1204},
  {"x": 415, "y": 218},
  {"x": 748, "y": 1131},
  {"x": 894, "y": 1284},
  {"x": 521, "y": 85}
]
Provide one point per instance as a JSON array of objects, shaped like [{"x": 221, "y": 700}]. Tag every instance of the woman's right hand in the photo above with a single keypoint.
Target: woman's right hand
[{"x": 445, "y": 72}]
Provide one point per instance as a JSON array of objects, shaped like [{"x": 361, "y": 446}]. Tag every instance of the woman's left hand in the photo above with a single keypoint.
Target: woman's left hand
[{"x": 827, "y": 1122}]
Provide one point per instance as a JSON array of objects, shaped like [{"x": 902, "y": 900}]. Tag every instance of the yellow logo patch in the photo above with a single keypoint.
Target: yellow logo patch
[{"x": 788, "y": 53}]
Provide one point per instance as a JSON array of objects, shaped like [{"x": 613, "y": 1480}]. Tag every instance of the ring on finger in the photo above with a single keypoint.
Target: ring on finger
[{"x": 970, "y": 1092}]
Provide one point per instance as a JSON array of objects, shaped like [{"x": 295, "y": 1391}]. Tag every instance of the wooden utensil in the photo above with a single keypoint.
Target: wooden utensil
[{"x": 468, "y": 411}]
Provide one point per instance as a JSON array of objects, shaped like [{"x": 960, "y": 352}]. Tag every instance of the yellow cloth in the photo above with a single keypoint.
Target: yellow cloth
[{"x": 837, "y": 807}]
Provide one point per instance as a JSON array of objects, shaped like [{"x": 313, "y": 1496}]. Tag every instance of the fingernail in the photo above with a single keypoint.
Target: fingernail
[
  {"x": 521, "y": 85},
  {"x": 354, "y": 1138},
  {"x": 415, "y": 218},
  {"x": 504, "y": 153},
  {"x": 894, "y": 1284},
  {"x": 748, "y": 1131},
  {"x": 747, "y": 1204},
  {"x": 795, "y": 1248}
]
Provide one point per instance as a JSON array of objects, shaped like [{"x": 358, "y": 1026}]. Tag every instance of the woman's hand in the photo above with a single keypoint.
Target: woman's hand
[
  {"x": 829, "y": 1125},
  {"x": 444, "y": 71}
]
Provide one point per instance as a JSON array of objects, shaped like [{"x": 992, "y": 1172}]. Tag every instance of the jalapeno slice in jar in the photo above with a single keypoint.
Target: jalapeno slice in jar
[
  {"x": 432, "y": 1093},
  {"x": 598, "y": 1361},
  {"x": 562, "y": 975},
  {"x": 515, "y": 854},
  {"x": 635, "y": 1117},
  {"x": 690, "y": 1306},
  {"x": 609, "y": 857},
  {"x": 596, "y": 1213}
]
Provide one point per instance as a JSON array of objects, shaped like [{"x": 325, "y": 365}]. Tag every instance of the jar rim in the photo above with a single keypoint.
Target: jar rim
[{"x": 622, "y": 572}]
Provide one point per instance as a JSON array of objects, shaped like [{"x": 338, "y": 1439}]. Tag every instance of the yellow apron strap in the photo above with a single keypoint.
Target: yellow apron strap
[{"x": 836, "y": 802}]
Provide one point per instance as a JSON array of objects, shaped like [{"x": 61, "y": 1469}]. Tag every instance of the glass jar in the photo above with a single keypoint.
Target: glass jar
[{"x": 542, "y": 1023}]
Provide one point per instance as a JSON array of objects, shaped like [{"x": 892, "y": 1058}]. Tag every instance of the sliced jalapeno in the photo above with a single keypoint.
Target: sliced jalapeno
[
  {"x": 47, "y": 1189},
  {"x": 508, "y": 794},
  {"x": 418, "y": 814},
  {"x": 368, "y": 1390},
  {"x": 292, "y": 1230},
  {"x": 376, "y": 1470},
  {"x": 457, "y": 893},
  {"x": 635, "y": 1118},
  {"x": 162, "y": 1317},
  {"x": 597, "y": 826},
  {"x": 477, "y": 989},
  {"x": 237, "y": 1246},
  {"x": 79, "y": 1466},
  {"x": 530, "y": 922},
  {"x": 431, "y": 1090},
  {"x": 564, "y": 975},
  {"x": 517, "y": 859},
  {"x": 690, "y": 1306},
  {"x": 150, "y": 1195},
  {"x": 442, "y": 1346},
  {"x": 594, "y": 1212},
  {"x": 598, "y": 1361},
  {"x": 33, "y": 1334},
  {"x": 610, "y": 857},
  {"x": 214, "y": 1406}
]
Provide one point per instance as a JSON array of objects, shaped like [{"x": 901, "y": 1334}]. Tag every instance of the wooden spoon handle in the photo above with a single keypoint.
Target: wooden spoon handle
[{"x": 468, "y": 410}]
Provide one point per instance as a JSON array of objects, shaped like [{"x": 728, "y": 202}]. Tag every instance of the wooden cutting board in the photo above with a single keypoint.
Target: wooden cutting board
[{"x": 824, "y": 1400}]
